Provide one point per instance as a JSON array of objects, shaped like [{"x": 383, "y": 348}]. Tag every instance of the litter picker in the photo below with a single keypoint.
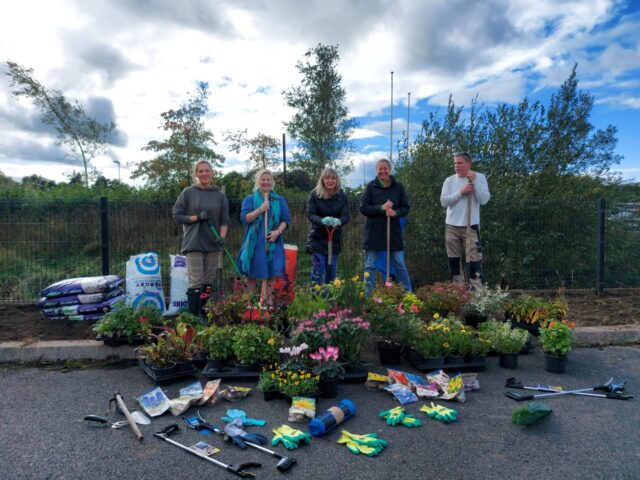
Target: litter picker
[
  {"x": 540, "y": 387},
  {"x": 123, "y": 408},
  {"x": 200, "y": 423},
  {"x": 606, "y": 387},
  {"x": 237, "y": 469},
  {"x": 467, "y": 250}
]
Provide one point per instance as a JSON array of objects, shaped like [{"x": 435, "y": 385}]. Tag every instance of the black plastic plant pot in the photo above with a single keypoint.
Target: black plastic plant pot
[
  {"x": 328, "y": 388},
  {"x": 390, "y": 353},
  {"x": 555, "y": 364},
  {"x": 508, "y": 360}
]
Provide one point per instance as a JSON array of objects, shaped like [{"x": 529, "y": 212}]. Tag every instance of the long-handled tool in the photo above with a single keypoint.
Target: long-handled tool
[
  {"x": 388, "y": 278},
  {"x": 233, "y": 262},
  {"x": 513, "y": 383},
  {"x": 237, "y": 469},
  {"x": 123, "y": 408},
  {"x": 200, "y": 423},
  {"x": 617, "y": 395},
  {"x": 467, "y": 253},
  {"x": 263, "y": 292}
]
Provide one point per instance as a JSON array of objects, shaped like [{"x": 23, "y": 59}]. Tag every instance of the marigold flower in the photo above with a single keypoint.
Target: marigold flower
[
  {"x": 436, "y": 315},
  {"x": 445, "y": 344}
]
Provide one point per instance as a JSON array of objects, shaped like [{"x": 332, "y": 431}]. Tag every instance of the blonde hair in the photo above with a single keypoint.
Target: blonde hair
[
  {"x": 256, "y": 181},
  {"x": 319, "y": 189},
  {"x": 197, "y": 164}
]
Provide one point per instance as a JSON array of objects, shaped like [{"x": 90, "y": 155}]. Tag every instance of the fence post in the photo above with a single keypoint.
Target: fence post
[
  {"x": 104, "y": 234},
  {"x": 600, "y": 207}
]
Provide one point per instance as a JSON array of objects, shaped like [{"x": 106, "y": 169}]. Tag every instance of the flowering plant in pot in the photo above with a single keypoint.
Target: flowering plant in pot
[
  {"x": 390, "y": 314},
  {"x": 327, "y": 366},
  {"x": 294, "y": 357},
  {"x": 346, "y": 293},
  {"x": 508, "y": 342},
  {"x": 428, "y": 340},
  {"x": 128, "y": 321},
  {"x": 297, "y": 383},
  {"x": 443, "y": 298},
  {"x": 269, "y": 380}
]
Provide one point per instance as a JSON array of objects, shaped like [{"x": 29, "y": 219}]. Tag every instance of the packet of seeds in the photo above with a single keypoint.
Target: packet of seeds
[
  {"x": 376, "y": 382},
  {"x": 210, "y": 392},
  {"x": 233, "y": 394},
  {"x": 302, "y": 409},
  {"x": 204, "y": 449},
  {"x": 154, "y": 402},
  {"x": 402, "y": 393}
]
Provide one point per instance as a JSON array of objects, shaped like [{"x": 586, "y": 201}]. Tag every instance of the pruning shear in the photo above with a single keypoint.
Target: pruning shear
[{"x": 104, "y": 421}]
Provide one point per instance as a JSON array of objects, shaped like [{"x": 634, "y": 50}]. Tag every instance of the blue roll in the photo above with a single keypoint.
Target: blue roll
[{"x": 344, "y": 410}]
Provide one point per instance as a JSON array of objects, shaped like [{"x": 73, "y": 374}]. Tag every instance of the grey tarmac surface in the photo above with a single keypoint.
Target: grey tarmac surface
[{"x": 43, "y": 435}]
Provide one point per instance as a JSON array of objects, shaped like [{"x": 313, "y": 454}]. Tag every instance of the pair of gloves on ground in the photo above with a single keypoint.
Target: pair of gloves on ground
[{"x": 397, "y": 415}]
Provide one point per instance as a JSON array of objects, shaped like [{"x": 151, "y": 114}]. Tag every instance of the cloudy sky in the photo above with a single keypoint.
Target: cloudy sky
[{"x": 130, "y": 60}]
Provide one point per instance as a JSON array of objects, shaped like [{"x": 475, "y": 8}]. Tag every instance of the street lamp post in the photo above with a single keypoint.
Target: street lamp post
[{"x": 117, "y": 162}]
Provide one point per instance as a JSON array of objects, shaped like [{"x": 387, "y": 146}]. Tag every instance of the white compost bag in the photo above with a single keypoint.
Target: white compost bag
[
  {"x": 179, "y": 285},
  {"x": 144, "y": 282}
]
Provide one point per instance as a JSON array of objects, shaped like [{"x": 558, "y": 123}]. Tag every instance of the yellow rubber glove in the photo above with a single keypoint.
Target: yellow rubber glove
[
  {"x": 440, "y": 413},
  {"x": 410, "y": 421},
  {"x": 393, "y": 416},
  {"x": 289, "y": 437},
  {"x": 368, "y": 444}
]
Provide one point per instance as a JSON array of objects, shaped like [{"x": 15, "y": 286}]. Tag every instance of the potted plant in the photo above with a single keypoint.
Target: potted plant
[
  {"x": 556, "y": 338},
  {"x": 480, "y": 347},
  {"x": 268, "y": 382},
  {"x": 427, "y": 344},
  {"x": 528, "y": 312},
  {"x": 346, "y": 293},
  {"x": 461, "y": 343},
  {"x": 443, "y": 298},
  {"x": 293, "y": 358},
  {"x": 485, "y": 304},
  {"x": 127, "y": 324},
  {"x": 298, "y": 383},
  {"x": 508, "y": 342},
  {"x": 306, "y": 303},
  {"x": 254, "y": 344},
  {"x": 218, "y": 342},
  {"x": 157, "y": 356},
  {"x": 181, "y": 342},
  {"x": 328, "y": 370}
]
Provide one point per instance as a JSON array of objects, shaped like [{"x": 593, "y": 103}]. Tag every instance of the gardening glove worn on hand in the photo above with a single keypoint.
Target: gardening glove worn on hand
[
  {"x": 238, "y": 436},
  {"x": 232, "y": 414},
  {"x": 289, "y": 437},
  {"x": 328, "y": 221},
  {"x": 393, "y": 416},
  {"x": 368, "y": 444},
  {"x": 220, "y": 242},
  {"x": 203, "y": 215},
  {"x": 440, "y": 413}
]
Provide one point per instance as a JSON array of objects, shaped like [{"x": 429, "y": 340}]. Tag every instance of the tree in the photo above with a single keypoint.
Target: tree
[
  {"x": 543, "y": 164},
  {"x": 81, "y": 134},
  {"x": 263, "y": 149},
  {"x": 189, "y": 140},
  {"x": 321, "y": 123},
  {"x": 37, "y": 182}
]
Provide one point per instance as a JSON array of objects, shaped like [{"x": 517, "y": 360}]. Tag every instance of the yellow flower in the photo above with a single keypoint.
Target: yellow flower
[
  {"x": 271, "y": 341},
  {"x": 436, "y": 315},
  {"x": 445, "y": 345},
  {"x": 355, "y": 279},
  {"x": 337, "y": 282},
  {"x": 430, "y": 328},
  {"x": 317, "y": 287},
  {"x": 366, "y": 274},
  {"x": 361, "y": 294},
  {"x": 446, "y": 329}
]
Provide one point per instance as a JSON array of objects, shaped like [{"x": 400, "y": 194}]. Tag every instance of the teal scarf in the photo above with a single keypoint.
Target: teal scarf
[{"x": 249, "y": 245}]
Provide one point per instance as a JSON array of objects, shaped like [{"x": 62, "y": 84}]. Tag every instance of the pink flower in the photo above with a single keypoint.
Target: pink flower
[
  {"x": 400, "y": 309},
  {"x": 388, "y": 284},
  {"x": 377, "y": 299}
]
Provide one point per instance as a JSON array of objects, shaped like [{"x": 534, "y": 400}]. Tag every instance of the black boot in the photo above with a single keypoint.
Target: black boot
[
  {"x": 204, "y": 298},
  {"x": 193, "y": 301}
]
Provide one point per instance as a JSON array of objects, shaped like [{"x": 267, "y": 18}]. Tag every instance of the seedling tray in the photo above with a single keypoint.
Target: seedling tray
[{"x": 165, "y": 378}]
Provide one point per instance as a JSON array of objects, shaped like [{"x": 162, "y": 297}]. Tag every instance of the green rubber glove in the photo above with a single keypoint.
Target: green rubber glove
[
  {"x": 368, "y": 444},
  {"x": 289, "y": 437},
  {"x": 410, "y": 421},
  {"x": 393, "y": 416},
  {"x": 440, "y": 413}
]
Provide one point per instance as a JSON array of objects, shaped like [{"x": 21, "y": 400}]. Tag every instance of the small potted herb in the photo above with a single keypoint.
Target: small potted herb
[
  {"x": 255, "y": 344},
  {"x": 508, "y": 342},
  {"x": 556, "y": 338}
]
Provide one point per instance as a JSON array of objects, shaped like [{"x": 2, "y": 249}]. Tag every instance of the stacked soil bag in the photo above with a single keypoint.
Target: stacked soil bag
[{"x": 84, "y": 298}]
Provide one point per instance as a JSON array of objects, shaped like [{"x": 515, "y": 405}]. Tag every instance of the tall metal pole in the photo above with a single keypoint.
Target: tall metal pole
[
  {"x": 391, "y": 124},
  {"x": 408, "y": 122},
  {"x": 117, "y": 162}
]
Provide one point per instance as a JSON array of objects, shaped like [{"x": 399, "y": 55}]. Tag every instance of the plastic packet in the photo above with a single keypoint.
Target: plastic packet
[
  {"x": 233, "y": 394},
  {"x": 416, "y": 381},
  {"x": 470, "y": 382},
  {"x": 398, "y": 377},
  {"x": 439, "y": 378},
  {"x": 428, "y": 391},
  {"x": 402, "y": 393},
  {"x": 376, "y": 382},
  {"x": 302, "y": 409},
  {"x": 154, "y": 402},
  {"x": 210, "y": 392},
  {"x": 453, "y": 389}
]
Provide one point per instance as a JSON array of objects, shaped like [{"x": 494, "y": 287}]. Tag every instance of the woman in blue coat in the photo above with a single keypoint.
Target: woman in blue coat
[{"x": 261, "y": 254}]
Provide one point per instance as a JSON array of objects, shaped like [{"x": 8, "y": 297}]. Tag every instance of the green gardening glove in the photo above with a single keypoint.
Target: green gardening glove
[
  {"x": 289, "y": 437},
  {"x": 368, "y": 444},
  {"x": 440, "y": 413},
  {"x": 393, "y": 416},
  {"x": 410, "y": 421}
]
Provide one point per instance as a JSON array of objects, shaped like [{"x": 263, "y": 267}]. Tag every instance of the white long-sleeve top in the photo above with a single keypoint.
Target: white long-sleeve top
[{"x": 456, "y": 203}]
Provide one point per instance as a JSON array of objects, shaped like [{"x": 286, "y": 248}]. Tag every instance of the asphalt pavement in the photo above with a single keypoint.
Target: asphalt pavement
[{"x": 43, "y": 435}]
